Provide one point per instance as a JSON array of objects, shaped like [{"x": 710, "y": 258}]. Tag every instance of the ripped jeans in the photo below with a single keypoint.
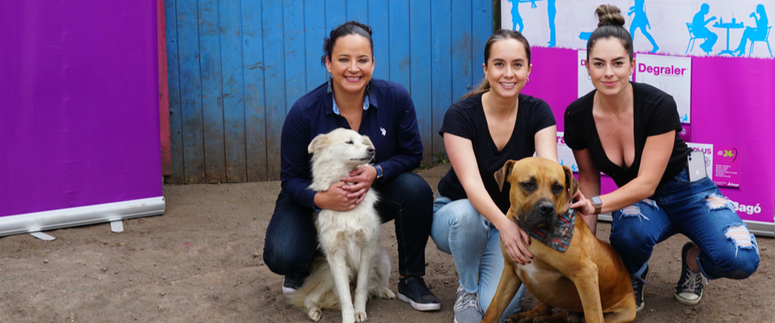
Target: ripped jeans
[{"x": 700, "y": 212}]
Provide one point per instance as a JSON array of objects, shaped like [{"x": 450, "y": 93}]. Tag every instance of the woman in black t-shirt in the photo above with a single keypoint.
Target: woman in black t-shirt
[
  {"x": 481, "y": 132},
  {"x": 629, "y": 131}
]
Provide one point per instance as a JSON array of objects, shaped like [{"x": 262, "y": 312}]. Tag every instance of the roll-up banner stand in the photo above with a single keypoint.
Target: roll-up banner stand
[
  {"x": 714, "y": 57},
  {"x": 79, "y": 113}
]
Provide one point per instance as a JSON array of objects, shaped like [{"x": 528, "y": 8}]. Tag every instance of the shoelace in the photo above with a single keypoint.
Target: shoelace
[
  {"x": 466, "y": 300},
  {"x": 636, "y": 284},
  {"x": 694, "y": 281},
  {"x": 418, "y": 286}
]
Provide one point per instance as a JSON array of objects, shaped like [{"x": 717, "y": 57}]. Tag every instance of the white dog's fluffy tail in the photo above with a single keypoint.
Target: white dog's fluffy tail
[{"x": 319, "y": 290}]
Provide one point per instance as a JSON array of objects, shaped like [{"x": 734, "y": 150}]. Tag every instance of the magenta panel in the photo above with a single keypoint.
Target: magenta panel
[
  {"x": 732, "y": 106},
  {"x": 79, "y": 111}
]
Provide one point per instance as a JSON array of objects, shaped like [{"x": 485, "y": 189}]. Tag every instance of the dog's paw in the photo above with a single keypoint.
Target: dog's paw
[
  {"x": 360, "y": 316},
  {"x": 315, "y": 314},
  {"x": 386, "y": 293}
]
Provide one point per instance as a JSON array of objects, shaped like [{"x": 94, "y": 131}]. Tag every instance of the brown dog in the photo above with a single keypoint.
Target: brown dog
[{"x": 587, "y": 277}]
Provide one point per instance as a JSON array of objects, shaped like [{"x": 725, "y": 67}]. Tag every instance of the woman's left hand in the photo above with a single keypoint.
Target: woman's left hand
[
  {"x": 583, "y": 205},
  {"x": 361, "y": 178}
]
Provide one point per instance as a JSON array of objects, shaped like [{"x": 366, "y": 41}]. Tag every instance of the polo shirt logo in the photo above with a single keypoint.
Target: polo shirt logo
[{"x": 383, "y": 131}]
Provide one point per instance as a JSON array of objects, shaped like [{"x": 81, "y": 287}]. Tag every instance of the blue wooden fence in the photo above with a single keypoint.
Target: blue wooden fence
[{"x": 237, "y": 66}]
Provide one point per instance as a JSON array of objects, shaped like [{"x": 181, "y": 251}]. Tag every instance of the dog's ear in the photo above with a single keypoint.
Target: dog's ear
[
  {"x": 318, "y": 142},
  {"x": 570, "y": 182},
  {"x": 502, "y": 175}
]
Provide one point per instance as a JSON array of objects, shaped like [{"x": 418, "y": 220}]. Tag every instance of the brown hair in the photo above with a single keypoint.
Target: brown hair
[
  {"x": 347, "y": 28},
  {"x": 611, "y": 24},
  {"x": 499, "y": 35}
]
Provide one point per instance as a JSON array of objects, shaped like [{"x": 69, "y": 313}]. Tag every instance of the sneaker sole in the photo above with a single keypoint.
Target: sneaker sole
[
  {"x": 643, "y": 292},
  {"x": 419, "y": 306},
  {"x": 288, "y": 290},
  {"x": 687, "y": 301}
]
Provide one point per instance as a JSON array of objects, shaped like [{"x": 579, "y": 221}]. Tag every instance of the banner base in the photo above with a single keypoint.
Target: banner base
[
  {"x": 77, "y": 216},
  {"x": 762, "y": 229}
]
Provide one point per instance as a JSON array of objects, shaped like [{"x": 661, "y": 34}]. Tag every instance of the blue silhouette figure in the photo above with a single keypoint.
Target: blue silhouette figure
[
  {"x": 755, "y": 33},
  {"x": 551, "y": 10},
  {"x": 700, "y": 31},
  {"x": 516, "y": 19},
  {"x": 641, "y": 21}
]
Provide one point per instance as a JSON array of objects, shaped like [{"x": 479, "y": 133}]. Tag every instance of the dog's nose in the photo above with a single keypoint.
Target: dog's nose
[
  {"x": 370, "y": 151},
  {"x": 546, "y": 208}
]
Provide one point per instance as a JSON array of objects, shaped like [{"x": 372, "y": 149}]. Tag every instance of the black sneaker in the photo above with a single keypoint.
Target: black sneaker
[
  {"x": 414, "y": 291},
  {"x": 689, "y": 288},
  {"x": 638, "y": 284},
  {"x": 292, "y": 282}
]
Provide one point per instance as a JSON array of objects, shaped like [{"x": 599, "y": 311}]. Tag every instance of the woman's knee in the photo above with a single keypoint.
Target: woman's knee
[
  {"x": 415, "y": 187},
  {"x": 739, "y": 260},
  {"x": 282, "y": 261}
]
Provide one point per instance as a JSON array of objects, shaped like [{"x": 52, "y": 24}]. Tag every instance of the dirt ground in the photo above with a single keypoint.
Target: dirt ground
[{"x": 201, "y": 262}]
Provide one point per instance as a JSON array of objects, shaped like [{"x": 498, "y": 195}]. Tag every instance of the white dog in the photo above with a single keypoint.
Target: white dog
[{"x": 349, "y": 239}]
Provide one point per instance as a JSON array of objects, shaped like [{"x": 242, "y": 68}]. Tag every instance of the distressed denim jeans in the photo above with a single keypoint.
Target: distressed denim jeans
[
  {"x": 475, "y": 244},
  {"x": 697, "y": 210}
]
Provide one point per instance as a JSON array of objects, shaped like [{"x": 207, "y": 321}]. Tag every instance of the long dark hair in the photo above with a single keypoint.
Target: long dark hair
[
  {"x": 611, "y": 24},
  {"x": 347, "y": 28},
  {"x": 499, "y": 35}
]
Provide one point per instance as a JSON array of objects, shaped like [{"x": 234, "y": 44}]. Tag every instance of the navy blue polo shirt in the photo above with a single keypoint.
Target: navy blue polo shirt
[{"x": 389, "y": 120}]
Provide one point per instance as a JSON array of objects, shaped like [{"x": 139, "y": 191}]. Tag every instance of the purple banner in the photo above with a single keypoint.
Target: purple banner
[
  {"x": 731, "y": 106},
  {"x": 79, "y": 110}
]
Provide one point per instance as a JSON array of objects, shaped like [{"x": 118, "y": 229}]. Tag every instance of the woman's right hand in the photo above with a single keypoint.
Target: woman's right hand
[
  {"x": 515, "y": 240},
  {"x": 335, "y": 198}
]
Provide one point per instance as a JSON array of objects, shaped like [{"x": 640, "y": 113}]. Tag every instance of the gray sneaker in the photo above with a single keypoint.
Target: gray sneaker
[{"x": 467, "y": 307}]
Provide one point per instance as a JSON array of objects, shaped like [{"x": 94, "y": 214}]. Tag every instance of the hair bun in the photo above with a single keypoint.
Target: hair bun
[{"x": 609, "y": 15}]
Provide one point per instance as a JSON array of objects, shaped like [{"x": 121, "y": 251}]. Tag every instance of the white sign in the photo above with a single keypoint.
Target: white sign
[
  {"x": 673, "y": 27},
  {"x": 670, "y": 74},
  {"x": 565, "y": 154}
]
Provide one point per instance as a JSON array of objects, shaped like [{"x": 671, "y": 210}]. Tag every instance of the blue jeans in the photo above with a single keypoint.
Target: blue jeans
[
  {"x": 475, "y": 244},
  {"x": 700, "y": 212},
  {"x": 291, "y": 236}
]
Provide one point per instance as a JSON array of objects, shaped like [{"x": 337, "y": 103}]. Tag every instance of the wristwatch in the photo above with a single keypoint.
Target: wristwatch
[
  {"x": 379, "y": 171},
  {"x": 598, "y": 203}
]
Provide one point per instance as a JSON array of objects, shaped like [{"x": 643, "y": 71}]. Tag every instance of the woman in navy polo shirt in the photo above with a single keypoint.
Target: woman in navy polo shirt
[{"x": 381, "y": 110}]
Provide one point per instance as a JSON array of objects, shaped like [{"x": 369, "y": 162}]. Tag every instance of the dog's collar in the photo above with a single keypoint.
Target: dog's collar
[{"x": 559, "y": 239}]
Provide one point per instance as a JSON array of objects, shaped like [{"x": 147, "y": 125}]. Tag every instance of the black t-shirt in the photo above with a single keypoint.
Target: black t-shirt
[
  {"x": 466, "y": 119},
  {"x": 654, "y": 113}
]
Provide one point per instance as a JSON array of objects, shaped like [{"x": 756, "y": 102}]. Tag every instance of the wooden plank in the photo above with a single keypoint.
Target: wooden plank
[
  {"x": 420, "y": 30},
  {"x": 272, "y": 22},
  {"x": 191, "y": 92},
  {"x": 400, "y": 58},
  {"x": 336, "y": 14},
  {"x": 358, "y": 10},
  {"x": 315, "y": 32},
  {"x": 164, "y": 92},
  {"x": 293, "y": 48},
  {"x": 255, "y": 112},
  {"x": 441, "y": 68},
  {"x": 482, "y": 15},
  {"x": 462, "y": 80},
  {"x": 378, "y": 20},
  {"x": 212, "y": 104},
  {"x": 233, "y": 91},
  {"x": 173, "y": 79}
]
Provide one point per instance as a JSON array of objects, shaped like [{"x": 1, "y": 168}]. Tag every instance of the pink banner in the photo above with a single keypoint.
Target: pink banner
[{"x": 731, "y": 106}]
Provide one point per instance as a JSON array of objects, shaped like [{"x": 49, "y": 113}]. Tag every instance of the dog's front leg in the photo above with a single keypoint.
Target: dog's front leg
[
  {"x": 507, "y": 288},
  {"x": 362, "y": 282},
  {"x": 588, "y": 287},
  {"x": 339, "y": 270}
]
